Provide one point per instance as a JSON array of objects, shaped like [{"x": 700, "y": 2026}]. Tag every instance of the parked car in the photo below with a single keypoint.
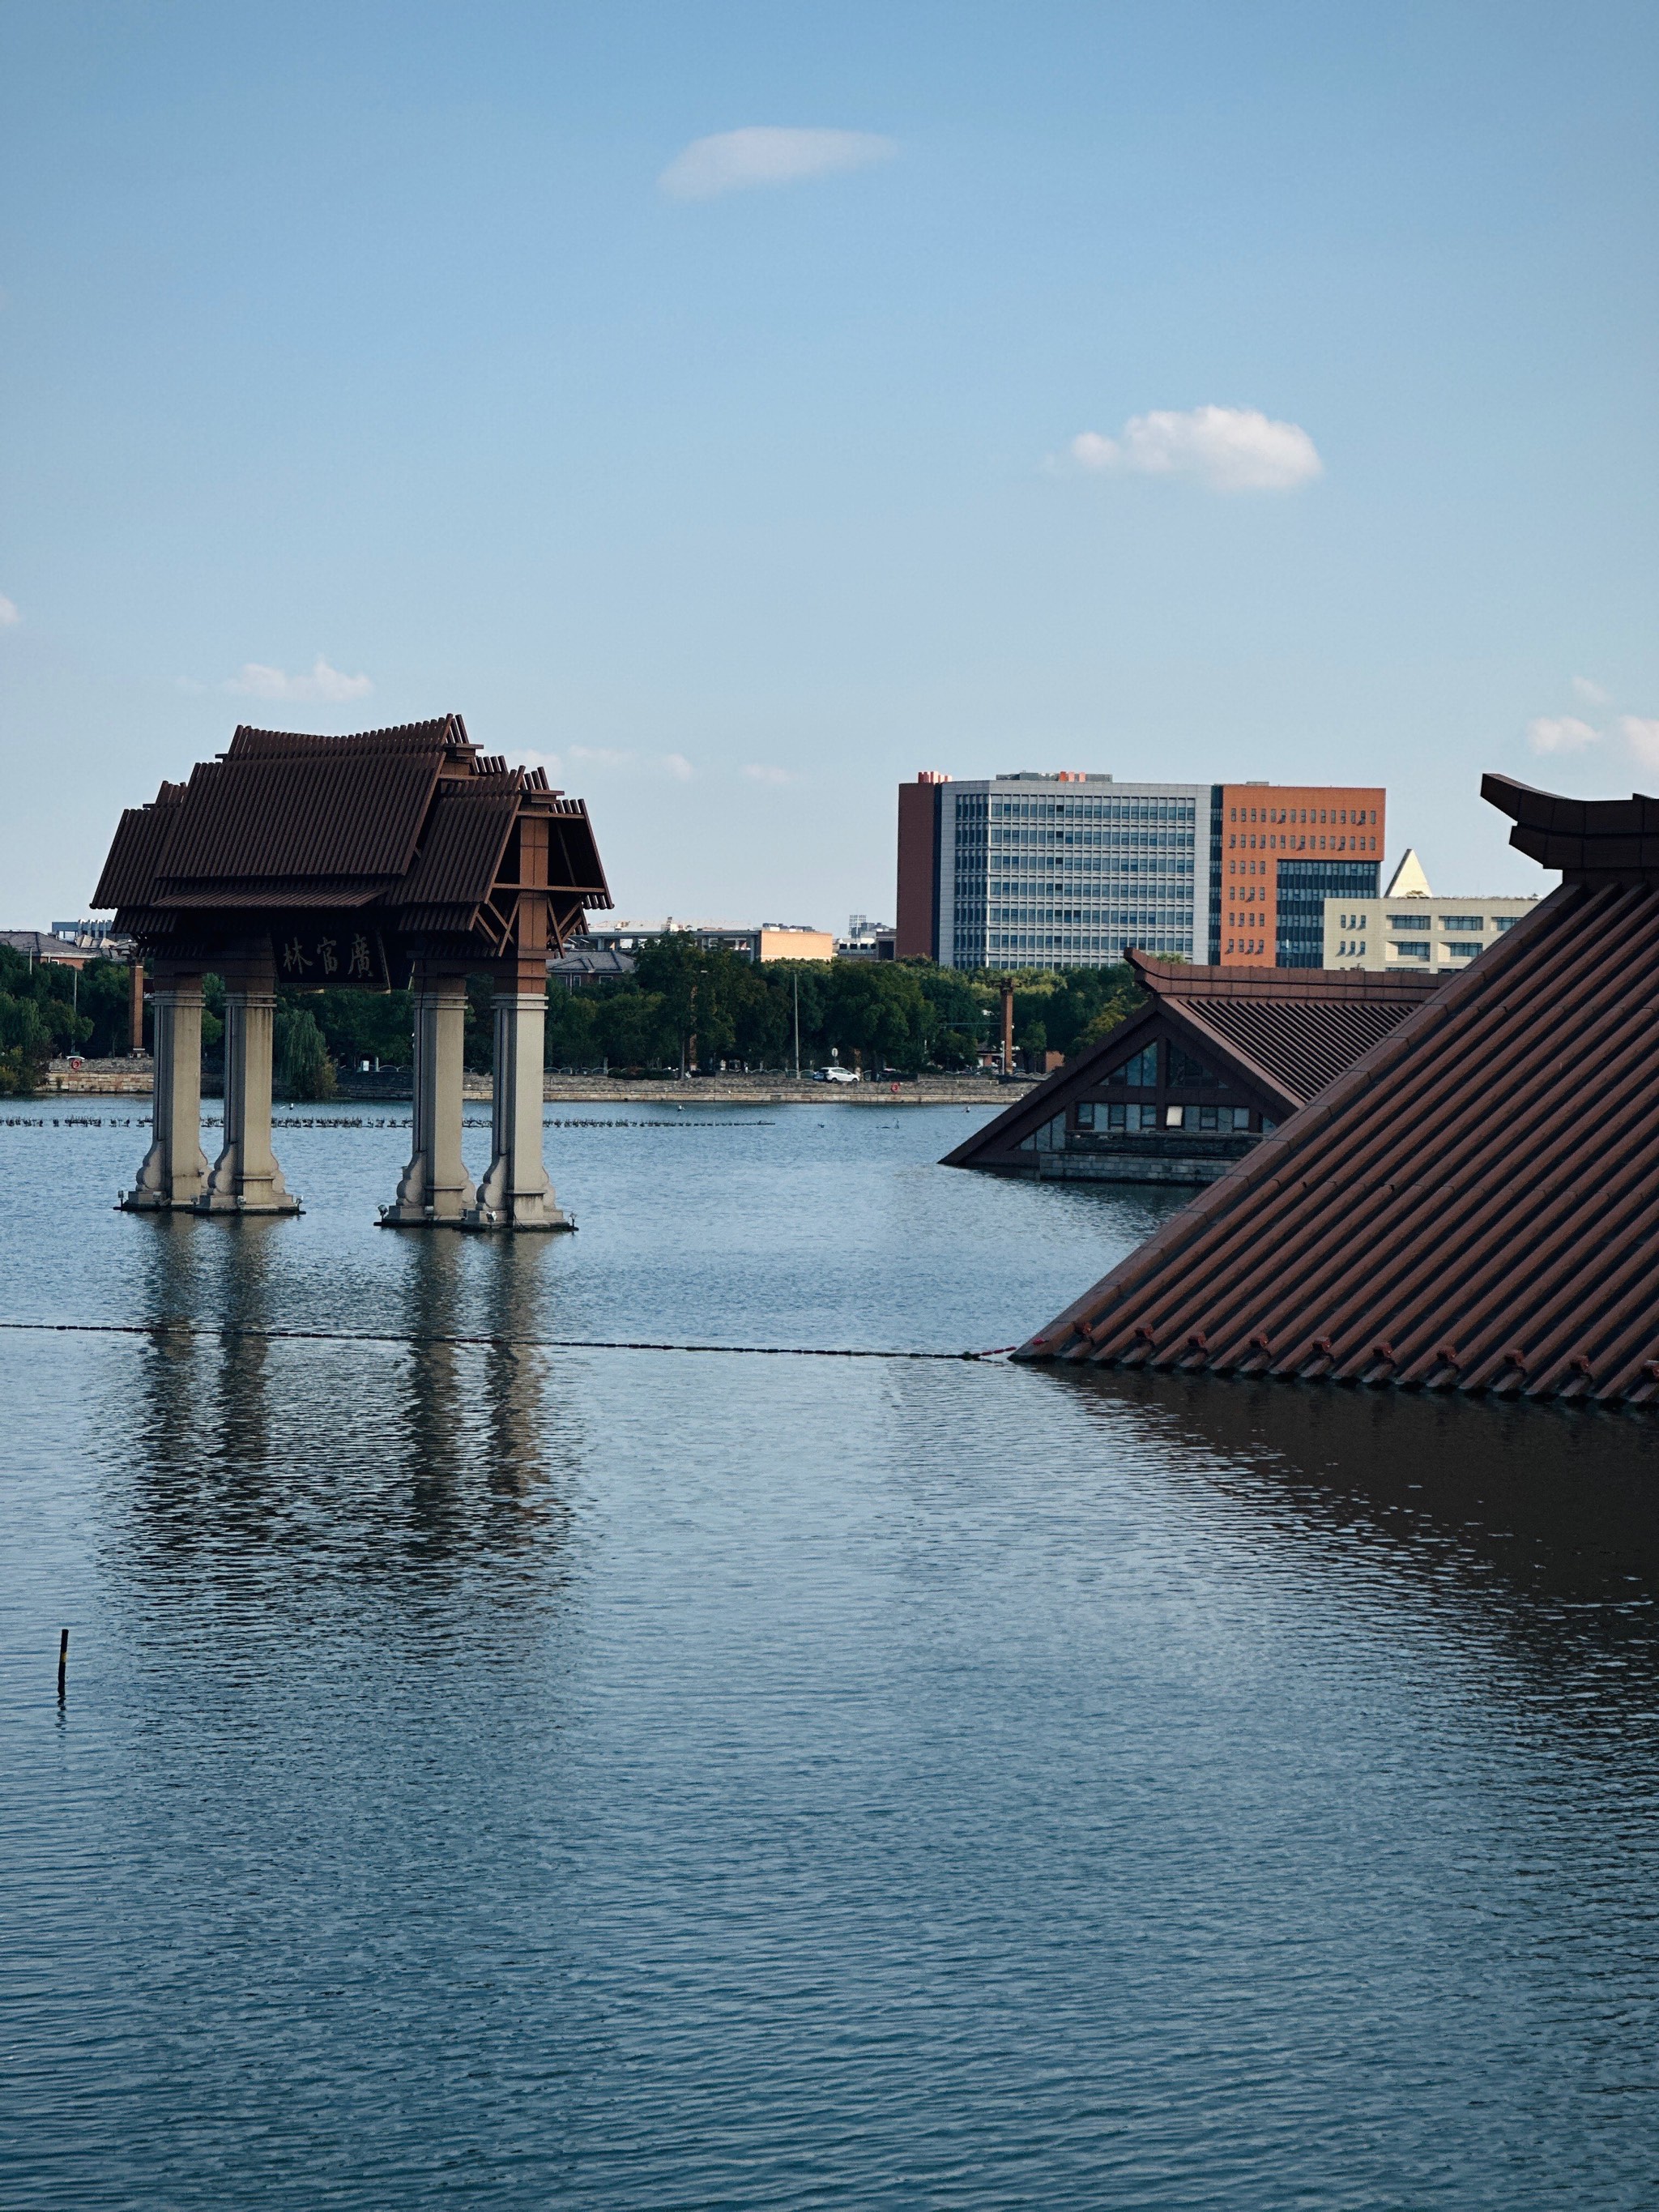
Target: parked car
[{"x": 833, "y": 1074}]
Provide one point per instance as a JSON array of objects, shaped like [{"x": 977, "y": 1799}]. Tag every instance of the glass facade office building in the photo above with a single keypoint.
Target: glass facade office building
[
  {"x": 1067, "y": 871},
  {"x": 1052, "y": 871}
]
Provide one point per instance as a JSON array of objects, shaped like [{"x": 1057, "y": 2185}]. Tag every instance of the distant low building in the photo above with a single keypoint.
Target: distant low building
[
  {"x": 765, "y": 940},
  {"x": 867, "y": 939},
  {"x": 1408, "y": 927},
  {"x": 583, "y": 962},
  {"x": 68, "y": 943}
]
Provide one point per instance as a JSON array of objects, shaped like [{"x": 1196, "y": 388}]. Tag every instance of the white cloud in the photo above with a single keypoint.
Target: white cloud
[
  {"x": 9, "y": 616},
  {"x": 254, "y": 680},
  {"x": 1560, "y": 733},
  {"x": 738, "y": 161},
  {"x": 762, "y": 772},
  {"x": 600, "y": 757},
  {"x": 1642, "y": 736},
  {"x": 1225, "y": 449},
  {"x": 678, "y": 765},
  {"x": 1591, "y": 691},
  {"x": 527, "y": 756}
]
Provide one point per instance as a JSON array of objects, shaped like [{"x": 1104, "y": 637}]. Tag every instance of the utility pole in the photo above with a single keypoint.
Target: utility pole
[
  {"x": 798, "y": 1025},
  {"x": 1008, "y": 1025}
]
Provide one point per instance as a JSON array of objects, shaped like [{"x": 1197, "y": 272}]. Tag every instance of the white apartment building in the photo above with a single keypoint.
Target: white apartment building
[{"x": 1409, "y": 928}]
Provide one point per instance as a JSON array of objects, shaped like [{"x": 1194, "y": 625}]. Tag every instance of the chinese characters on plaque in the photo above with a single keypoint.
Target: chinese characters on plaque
[{"x": 347, "y": 956}]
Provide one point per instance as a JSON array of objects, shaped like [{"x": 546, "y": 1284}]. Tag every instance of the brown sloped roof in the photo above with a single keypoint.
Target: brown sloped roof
[
  {"x": 1284, "y": 1032},
  {"x": 411, "y": 817},
  {"x": 352, "y": 814},
  {"x": 285, "y": 811},
  {"x": 443, "y": 734},
  {"x": 138, "y": 849},
  {"x": 461, "y": 853},
  {"x": 1303, "y": 1043},
  {"x": 1472, "y": 1206}
]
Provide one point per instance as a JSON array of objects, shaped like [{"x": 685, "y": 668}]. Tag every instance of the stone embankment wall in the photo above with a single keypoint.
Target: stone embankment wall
[
  {"x": 133, "y": 1075},
  {"x": 134, "y": 1072}
]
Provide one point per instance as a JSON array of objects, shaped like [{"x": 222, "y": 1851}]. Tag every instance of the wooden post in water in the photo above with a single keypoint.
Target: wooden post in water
[{"x": 63, "y": 1659}]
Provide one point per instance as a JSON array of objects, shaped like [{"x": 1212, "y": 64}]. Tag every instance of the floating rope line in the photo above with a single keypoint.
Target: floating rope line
[{"x": 212, "y": 1330}]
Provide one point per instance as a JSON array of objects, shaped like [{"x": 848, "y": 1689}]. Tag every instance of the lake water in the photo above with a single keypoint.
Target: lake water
[{"x": 493, "y": 1776}]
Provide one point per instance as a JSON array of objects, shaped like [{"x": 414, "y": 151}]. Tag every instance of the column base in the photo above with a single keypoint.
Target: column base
[
  {"x": 483, "y": 1220},
  {"x": 152, "y": 1201},
  {"x": 421, "y": 1217},
  {"x": 229, "y": 1203}
]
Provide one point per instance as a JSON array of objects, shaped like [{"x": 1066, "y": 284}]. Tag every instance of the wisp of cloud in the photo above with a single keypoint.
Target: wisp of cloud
[
  {"x": 255, "y": 680},
  {"x": 1560, "y": 733},
  {"x": 1225, "y": 448},
  {"x": 739, "y": 160}
]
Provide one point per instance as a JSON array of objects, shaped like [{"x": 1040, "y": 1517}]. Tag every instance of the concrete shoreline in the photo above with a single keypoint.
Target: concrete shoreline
[{"x": 133, "y": 1078}]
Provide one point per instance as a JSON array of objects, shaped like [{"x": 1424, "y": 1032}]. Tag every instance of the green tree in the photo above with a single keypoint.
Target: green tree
[
  {"x": 703, "y": 993},
  {"x": 635, "y": 1029},
  {"x": 572, "y": 1035},
  {"x": 26, "y": 1045},
  {"x": 358, "y": 1025},
  {"x": 301, "y": 1067}
]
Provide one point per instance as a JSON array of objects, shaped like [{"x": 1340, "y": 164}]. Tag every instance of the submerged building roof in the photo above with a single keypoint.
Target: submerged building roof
[
  {"x": 1473, "y": 1204},
  {"x": 1273, "y": 1037}
]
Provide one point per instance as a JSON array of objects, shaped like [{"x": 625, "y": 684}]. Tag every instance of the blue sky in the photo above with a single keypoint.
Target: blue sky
[{"x": 360, "y": 363}]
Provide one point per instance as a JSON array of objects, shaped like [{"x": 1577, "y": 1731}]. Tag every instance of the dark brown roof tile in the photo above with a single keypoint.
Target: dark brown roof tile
[{"x": 1472, "y": 1206}]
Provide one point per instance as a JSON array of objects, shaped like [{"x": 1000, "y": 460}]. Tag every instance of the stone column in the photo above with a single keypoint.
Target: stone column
[
  {"x": 246, "y": 1178},
  {"x": 175, "y": 1167},
  {"x": 436, "y": 1190},
  {"x": 516, "y": 1194}
]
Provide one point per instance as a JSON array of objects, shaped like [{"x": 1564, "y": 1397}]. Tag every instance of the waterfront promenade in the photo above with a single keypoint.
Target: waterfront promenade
[{"x": 133, "y": 1076}]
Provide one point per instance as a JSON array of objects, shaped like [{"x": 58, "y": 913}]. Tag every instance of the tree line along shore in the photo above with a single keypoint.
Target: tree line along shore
[{"x": 682, "y": 1008}]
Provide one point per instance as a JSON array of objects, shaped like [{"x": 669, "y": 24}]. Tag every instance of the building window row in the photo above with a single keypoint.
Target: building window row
[
  {"x": 1309, "y": 844},
  {"x": 1098, "y": 1114},
  {"x": 1338, "y": 816}
]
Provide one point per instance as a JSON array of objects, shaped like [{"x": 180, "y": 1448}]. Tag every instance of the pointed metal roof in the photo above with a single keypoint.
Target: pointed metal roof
[{"x": 1408, "y": 880}]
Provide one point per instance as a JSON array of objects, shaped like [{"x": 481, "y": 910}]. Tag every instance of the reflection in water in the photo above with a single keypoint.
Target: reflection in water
[
  {"x": 491, "y": 1773},
  {"x": 279, "y": 1462},
  {"x": 1534, "y": 1530}
]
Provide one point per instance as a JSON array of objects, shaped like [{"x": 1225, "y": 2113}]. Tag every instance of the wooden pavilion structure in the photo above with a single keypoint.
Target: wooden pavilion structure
[
  {"x": 391, "y": 858},
  {"x": 1473, "y": 1204},
  {"x": 1213, "y": 1061}
]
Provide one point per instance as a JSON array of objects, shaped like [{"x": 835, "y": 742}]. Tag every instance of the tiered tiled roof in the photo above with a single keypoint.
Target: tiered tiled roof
[{"x": 411, "y": 826}]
